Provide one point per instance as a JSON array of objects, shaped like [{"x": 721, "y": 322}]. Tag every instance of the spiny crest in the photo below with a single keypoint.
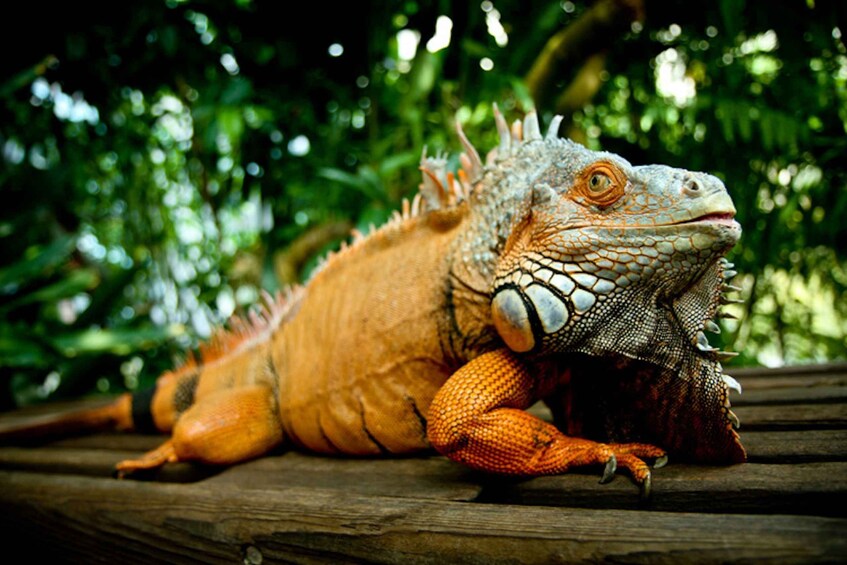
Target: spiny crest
[
  {"x": 441, "y": 189},
  {"x": 243, "y": 331},
  {"x": 718, "y": 297},
  {"x": 727, "y": 271},
  {"x": 521, "y": 132}
]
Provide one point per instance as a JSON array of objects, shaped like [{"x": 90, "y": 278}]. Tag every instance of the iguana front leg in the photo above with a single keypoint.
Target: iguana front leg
[{"x": 478, "y": 418}]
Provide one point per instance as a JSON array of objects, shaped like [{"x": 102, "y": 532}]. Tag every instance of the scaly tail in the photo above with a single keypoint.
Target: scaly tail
[
  {"x": 153, "y": 410},
  {"x": 116, "y": 415}
]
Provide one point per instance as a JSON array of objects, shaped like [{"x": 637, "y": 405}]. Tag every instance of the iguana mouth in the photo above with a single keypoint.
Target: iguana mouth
[{"x": 726, "y": 218}]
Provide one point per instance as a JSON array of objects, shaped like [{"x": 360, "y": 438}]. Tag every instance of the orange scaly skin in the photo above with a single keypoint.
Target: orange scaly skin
[
  {"x": 479, "y": 419},
  {"x": 549, "y": 273}
]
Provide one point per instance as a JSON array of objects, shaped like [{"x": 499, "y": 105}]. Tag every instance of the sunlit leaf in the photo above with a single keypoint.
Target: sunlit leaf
[
  {"x": 394, "y": 162},
  {"x": 231, "y": 123},
  {"x": 365, "y": 181},
  {"x": 37, "y": 262},
  {"x": 77, "y": 281},
  {"x": 19, "y": 349},
  {"x": 116, "y": 341}
]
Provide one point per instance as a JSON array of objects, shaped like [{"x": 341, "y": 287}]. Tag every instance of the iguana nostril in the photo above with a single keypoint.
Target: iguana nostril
[{"x": 691, "y": 187}]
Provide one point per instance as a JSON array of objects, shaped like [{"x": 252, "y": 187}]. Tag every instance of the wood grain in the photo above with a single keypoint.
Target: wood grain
[
  {"x": 143, "y": 522},
  {"x": 808, "y": 489},
  {"x": 788, "y": 504}
]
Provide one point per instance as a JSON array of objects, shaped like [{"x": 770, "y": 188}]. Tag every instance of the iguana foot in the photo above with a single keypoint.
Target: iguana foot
[
  {"x": 165, "y": 453},
  {"x": 630, "y": 456}
]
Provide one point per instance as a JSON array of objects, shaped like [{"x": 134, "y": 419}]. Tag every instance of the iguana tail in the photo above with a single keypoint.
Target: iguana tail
[
  {"x": 147, "y": 411},
  {"x": 115, "y": 415},
  {"x": 152, "y": 410}
]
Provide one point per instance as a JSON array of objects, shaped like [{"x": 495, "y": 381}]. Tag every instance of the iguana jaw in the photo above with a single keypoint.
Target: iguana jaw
[
  {"x": 717, "y": 210},
  {"x": 725, "y": 218}
]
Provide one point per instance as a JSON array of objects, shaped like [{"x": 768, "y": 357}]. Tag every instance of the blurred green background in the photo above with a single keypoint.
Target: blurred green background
[{"x": 163, "y": 160}]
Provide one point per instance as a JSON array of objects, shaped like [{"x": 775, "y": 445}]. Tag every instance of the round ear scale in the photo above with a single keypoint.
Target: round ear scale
[
  {"x": 601, "y": 183},
  {"x": 511, "y": 318}
]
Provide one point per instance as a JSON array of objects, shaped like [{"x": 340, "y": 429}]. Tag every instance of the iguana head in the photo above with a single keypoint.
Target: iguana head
[
  {"x": 606, "y": 258},
  {"x": 613, "y": 271}
]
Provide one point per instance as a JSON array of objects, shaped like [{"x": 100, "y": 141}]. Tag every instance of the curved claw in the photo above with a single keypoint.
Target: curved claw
[
  {"x": 609, "y": 471},
  {"x": 660, "y": 462},
  {"x": 645, "y": 488}
]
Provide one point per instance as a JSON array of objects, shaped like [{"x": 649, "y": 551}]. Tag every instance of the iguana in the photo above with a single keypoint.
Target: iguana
[{"x": 549, "y": 272}]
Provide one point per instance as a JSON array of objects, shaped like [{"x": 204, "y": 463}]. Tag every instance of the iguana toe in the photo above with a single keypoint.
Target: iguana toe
[
  {"x": 631, "y": 456},
  {"x": 646, "y": 488},
  {"x": 609, "y": 471}
]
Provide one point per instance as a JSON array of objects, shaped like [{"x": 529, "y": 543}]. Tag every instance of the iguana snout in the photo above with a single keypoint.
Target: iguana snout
[{"x": 678, "y": 196}]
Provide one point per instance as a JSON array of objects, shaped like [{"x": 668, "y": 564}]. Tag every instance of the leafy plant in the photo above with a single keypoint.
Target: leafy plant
[{"x": 160, "y": 162}]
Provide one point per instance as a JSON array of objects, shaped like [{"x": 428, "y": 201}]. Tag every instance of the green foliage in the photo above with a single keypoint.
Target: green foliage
[{"x": 155, "y": 159}]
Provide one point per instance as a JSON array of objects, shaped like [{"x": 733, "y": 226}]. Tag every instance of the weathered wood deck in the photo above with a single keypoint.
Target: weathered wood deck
[{"x": 788, "y": 504}]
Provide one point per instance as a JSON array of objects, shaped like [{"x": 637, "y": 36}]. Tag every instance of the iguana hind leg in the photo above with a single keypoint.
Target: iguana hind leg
[
  {"x": 223, "y": 428},
  {"x": 478, "y": 418}
]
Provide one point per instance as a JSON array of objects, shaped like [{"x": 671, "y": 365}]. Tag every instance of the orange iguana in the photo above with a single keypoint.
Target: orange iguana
[{"x": 550, "y": 272}]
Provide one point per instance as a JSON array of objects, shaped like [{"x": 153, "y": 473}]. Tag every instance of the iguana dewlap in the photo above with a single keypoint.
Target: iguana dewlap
[{"x": 550, "y": 272}]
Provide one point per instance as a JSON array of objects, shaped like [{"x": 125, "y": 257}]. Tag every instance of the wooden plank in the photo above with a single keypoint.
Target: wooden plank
[
  {"x": 97, "y": 520},
  {"x": 421, "y": 477},
  {"x": 834, "y": 368},
  {"x": 809, "y": 489},
  {"x": 96, "y": 455},
  {"x": 798, "y": 488},
  {"x": 787, "y": 505},
  {"x": 789, "y": 446},
  {"x": 118, "y": 441},
  {"x": 94, "y": 463},
  {"x": 789, "y": 380},
  {"x": 790, "y": 395},
  {"x": 792, "y": 417}
]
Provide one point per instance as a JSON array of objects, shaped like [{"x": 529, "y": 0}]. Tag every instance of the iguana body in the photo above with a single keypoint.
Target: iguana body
[{"x": 552, "y": 272}]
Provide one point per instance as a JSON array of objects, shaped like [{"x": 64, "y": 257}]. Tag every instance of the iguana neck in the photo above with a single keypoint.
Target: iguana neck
[
  {"x": 497, "y": 205},
  {"x": 685, "y": 409},
  {"x": 662, "y": 328}
]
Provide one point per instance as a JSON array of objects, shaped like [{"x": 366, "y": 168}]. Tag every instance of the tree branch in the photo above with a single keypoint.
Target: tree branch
[{"x": 591, "y": 33}]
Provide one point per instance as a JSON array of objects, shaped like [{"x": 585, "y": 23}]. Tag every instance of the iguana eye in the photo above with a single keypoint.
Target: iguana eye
[{"x": 601, "y": 184}]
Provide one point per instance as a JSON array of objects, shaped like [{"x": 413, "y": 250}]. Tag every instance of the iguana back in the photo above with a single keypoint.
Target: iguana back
[{"x": 368, "y": 349}]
